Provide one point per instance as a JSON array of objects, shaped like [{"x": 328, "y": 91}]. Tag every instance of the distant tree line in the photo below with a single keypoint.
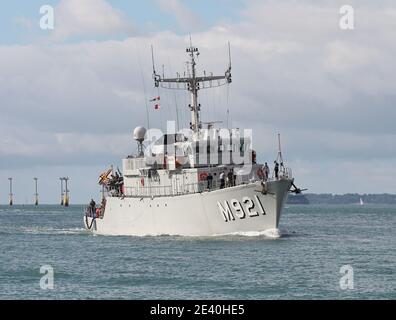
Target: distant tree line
[{"x": 349, "y": 198}]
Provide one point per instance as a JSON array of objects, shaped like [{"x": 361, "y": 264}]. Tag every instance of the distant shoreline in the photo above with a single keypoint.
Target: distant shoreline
[{"x": 349, "y": 198}]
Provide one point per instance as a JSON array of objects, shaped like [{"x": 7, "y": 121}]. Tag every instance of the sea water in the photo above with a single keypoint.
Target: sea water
[{"x": 324, "y": 252}]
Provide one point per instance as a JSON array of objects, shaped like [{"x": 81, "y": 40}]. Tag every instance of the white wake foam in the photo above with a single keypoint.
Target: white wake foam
[
  {"x": 44, "y": 230},
  {"x": 269, "y": 233}
]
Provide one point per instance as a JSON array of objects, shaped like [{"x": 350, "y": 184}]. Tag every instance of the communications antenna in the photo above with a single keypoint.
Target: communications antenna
[{"x": 193, "y": 83}]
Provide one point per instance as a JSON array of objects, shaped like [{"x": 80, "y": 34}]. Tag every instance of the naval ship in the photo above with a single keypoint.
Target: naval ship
[{"x": 202, "y": 181}]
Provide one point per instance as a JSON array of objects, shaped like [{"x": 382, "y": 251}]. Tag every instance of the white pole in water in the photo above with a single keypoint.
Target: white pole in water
[
  {"x": 62, "y": 194},
  {"x": 66, "y": 201},
  {"x": 11, "y": 202},
  {"x": 36, "y": 193}
]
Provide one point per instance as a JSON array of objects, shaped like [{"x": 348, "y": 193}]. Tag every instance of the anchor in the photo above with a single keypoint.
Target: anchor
[{"x": 296, "y": 190}]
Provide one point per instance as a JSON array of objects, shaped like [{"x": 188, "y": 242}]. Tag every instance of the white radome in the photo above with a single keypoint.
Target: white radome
[{"x": 139, "y": 133}]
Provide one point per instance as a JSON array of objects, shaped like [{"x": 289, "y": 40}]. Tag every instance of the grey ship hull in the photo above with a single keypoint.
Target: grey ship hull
[{"x": 237, "y": 209}]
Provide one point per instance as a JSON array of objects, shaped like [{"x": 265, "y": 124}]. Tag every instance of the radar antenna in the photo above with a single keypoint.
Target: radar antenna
[{"x": 193, "y": 83}]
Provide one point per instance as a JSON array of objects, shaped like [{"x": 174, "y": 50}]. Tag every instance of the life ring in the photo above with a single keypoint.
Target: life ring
[
  {"x": 203, "y": 176},
  {"x": 260, "y": 172},
  {"x": 142, "y": 181}
]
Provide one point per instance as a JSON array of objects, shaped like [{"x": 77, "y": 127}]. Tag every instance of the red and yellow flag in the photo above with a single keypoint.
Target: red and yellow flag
[{"x": 104, "y": 176}]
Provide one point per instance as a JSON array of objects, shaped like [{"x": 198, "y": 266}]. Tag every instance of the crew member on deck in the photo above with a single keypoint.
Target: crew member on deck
[
  {"x": 209, "y": 179},
  {"x": 92, "y": 207},
  {"x": 222, "y": 180},
  {"x": 230, "y": 177},
  {"x": 266, "y": 171},
  {"x": 276, "y": 170}
]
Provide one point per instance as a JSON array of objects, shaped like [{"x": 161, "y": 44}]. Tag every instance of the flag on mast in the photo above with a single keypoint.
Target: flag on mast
[
  {"x": 157, "y": 106},
  {"x": 104, "y": 177},
  {"x": 155, "y": 99}
]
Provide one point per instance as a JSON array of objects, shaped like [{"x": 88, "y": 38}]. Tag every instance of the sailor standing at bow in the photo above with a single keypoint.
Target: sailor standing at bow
[{"x": 266, "y": 171}]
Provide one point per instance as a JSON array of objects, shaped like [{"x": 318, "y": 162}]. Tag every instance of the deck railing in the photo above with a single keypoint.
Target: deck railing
[{"x": 177, "y": 188}]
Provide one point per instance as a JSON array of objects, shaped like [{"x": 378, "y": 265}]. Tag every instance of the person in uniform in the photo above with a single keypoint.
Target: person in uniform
[
  {"x": 230, "y": 177},
  {"x": 92, "y": 207},
  {"x": 276, "y": 170},
  {"x": 266, "y": 171},
  {"x": 222, "y": 180},
  {"x": 209, "y": 180}
]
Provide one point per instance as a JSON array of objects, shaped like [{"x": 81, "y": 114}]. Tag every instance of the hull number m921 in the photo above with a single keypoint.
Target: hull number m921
[{"x": 247, "y": 207}]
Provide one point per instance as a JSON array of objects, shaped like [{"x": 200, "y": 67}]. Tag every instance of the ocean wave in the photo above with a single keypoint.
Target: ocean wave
[{"x": 56, "y": 231}]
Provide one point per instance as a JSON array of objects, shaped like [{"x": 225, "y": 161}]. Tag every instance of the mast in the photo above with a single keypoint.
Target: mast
[
  {"x": 279, "y": 158},
  {"x": 193, "y": 88},
  {"x": 193, "y": 84}
]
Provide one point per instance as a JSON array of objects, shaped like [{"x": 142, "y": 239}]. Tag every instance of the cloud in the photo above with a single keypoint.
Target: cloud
[
  {"x": 75, "y": 18},
  {"x": 329, "y": 92},
  {"x": 185, "y": 17},
  {"x": 24, "y": 22},
  {"x": 342, "y": 55}
]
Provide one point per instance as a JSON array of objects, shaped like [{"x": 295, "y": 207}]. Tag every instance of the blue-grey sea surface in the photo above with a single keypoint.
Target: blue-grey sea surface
[{"x": 305, "y": 263}]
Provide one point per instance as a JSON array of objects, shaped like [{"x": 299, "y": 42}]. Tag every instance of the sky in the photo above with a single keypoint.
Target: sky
[{"x": 70, "y": 97}]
